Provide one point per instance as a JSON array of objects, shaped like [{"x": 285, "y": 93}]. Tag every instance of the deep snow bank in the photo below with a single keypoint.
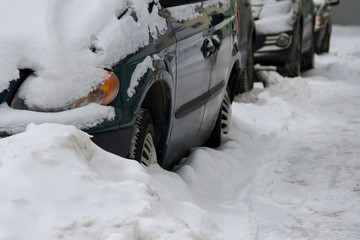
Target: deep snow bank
[
  {"x": 56, "y": 184},
  {"x": 289, "y": 169}
]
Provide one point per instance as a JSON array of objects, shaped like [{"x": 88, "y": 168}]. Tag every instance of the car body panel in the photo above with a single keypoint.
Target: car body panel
[
  {"x": 184, "y": 88},
  {"x": 268, "y": 52}
]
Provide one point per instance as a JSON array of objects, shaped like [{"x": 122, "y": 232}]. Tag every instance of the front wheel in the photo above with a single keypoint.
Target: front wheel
[
  {"x": 143, "y": 147},
  {"x": 325, "y": 45},
  {"x": 223, "y": 123},
  {"x": 308, "y": 59},
  {"x": 293, "y": 67}
]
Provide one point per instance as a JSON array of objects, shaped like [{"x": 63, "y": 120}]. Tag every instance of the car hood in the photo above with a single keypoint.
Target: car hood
[
  {"x": 273, "y": 16},
  {"x": 67, "y": 44}
]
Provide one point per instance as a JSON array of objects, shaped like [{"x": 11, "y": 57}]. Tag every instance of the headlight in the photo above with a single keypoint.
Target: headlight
[
  {"x": 103, "y": 94},
  {"x": 283, "y": 40}
]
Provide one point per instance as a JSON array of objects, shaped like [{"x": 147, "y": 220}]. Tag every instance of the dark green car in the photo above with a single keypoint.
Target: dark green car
[{"x": 181, "y": 100}]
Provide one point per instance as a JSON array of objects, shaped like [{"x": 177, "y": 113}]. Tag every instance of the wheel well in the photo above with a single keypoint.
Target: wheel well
[
  {"x": 157, "y": 102},
  {"x": 233, "y": 80}
]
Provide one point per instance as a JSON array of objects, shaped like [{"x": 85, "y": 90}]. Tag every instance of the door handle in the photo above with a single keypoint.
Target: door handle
[
  {"x": 215, "y": 39},
  {"x": 208, "y": 48}
]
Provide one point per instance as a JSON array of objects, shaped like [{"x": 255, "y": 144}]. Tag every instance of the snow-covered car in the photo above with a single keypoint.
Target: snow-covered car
[
  {"x": 284, "y": 34},
  {"x": 171, "y": 71},
  {"x": 323, "y": 24}
]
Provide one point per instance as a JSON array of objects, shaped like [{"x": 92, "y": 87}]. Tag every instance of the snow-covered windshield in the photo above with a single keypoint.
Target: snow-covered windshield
[{"x": 54, "y": 38}]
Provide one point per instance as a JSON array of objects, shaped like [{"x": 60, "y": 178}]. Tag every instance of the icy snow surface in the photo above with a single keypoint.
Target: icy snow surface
[{"x": 289, "y": 169}]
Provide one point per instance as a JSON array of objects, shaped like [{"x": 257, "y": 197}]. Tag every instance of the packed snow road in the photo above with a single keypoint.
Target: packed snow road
[{"x": 289, "y": 169}]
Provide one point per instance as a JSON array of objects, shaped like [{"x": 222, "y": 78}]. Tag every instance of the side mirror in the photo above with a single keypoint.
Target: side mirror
[
  {"x": 174, "y": 3},
  {"x": 334, "y": 2}
]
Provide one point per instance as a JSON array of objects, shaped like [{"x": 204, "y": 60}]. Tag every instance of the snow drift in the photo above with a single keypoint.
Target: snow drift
[{"x": 57, "y": 184}]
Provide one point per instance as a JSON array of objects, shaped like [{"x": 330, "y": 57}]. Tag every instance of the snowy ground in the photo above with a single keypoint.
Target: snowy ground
[{"x": 289, "y": 169}]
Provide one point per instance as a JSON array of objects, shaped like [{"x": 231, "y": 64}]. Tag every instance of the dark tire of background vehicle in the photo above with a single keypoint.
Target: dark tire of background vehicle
[
  {"x": 143, "y": 126},
  {"x": 325, "y": 45},
  {"x": 293, "y": 67},
  {"x": 308, "y": 59},
  {"x": 214, "y": 140},
  {"x": 246, "y": 81}
]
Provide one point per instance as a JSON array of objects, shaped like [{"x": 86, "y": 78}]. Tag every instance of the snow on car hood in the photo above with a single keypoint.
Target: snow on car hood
[
  {"x": 273, "y": 16},
  {"x": 54, "y": 38}
]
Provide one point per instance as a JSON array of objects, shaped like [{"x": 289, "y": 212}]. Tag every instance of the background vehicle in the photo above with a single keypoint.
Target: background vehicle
[
  {"x": 284, "y": 34},
  {"x": 182, "y": 100},
  {"x": 246, "y": 42},
  {"x": 323, "y": 24}
]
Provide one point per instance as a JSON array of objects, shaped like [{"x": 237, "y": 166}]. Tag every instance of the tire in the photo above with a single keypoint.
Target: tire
[
  {"x": 325, "y": 44},
  {"x": 223, "y": 123},
  {"x": 143, "y": 147},
  {"x": 293, "y": 67},
  {"x": 308, "y": 59},
  {"x": 226, "y": 114},
  {"x": 246, "y": 81}
]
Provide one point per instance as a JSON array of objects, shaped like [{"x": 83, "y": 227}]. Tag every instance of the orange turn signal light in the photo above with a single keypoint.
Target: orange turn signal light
[
  {"x": 110, "y": 88},
  {"x": 319, "y": 19}
]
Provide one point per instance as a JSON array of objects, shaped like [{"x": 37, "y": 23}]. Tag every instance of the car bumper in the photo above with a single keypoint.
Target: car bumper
[
  {"x": 268, "y": 51},
  {"x": 116, "y": 141},
  {"x": 99, "y": 121}
]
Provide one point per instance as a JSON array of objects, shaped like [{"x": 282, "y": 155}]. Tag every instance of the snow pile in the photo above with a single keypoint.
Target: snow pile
[
  {"x": 56, "y": 184},
  {"x": 55, "y": 39},
  {"x": 275, "y": 17},
  {"x": 288, "y": 169}
]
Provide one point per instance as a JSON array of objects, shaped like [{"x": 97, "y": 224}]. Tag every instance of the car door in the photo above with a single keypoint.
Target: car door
[
  {"x": 192, "y": 78},
  {"x": 223, "y": 33}
]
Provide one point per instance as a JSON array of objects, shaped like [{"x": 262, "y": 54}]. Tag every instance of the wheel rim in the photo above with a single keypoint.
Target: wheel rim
[
  {"x": 148, "y": 154},
  {"x": 226, "y": 114}
]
